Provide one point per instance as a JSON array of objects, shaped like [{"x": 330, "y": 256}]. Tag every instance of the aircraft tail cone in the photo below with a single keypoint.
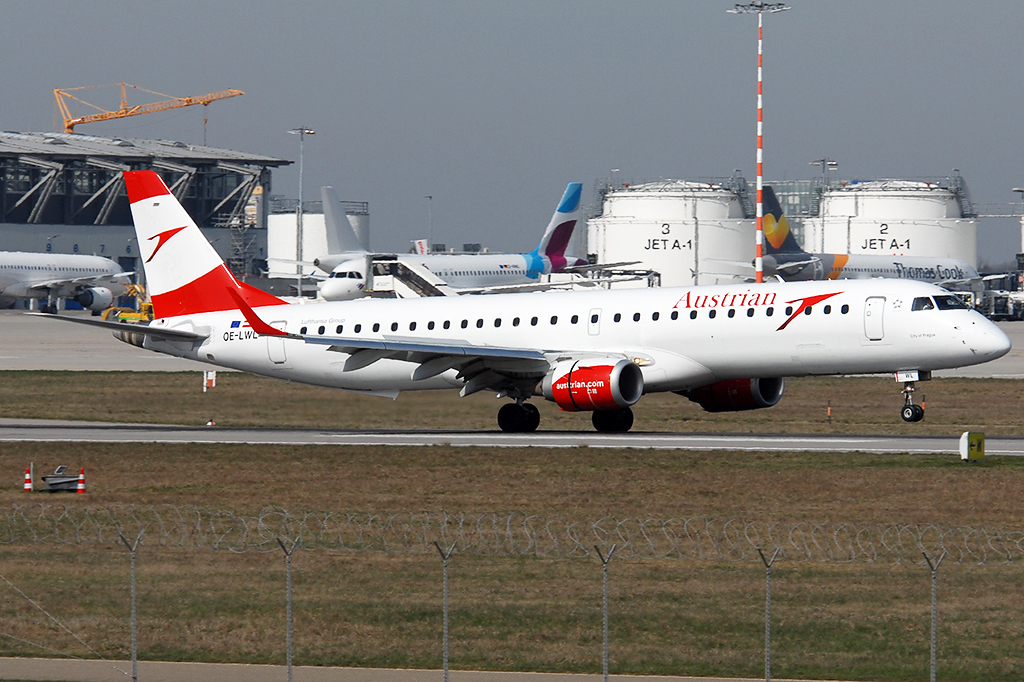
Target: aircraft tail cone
[
  {"x": 81, "y": 482},
  {"x": 28, "y": 480}
]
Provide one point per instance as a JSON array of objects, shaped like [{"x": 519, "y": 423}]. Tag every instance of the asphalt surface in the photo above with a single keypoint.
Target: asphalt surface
[
  {"x": 43, "y": 430},
  {"x": 158, "y": 671}
]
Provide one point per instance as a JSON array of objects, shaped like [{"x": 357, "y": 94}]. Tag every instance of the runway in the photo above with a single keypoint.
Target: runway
[{"x": 52, "y": 431}]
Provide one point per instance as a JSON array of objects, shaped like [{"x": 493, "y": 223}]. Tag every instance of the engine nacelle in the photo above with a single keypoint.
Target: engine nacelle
[
  {"x": 736, "y": 395},
  {"x": 95, "y": 298},
  {"x": 594, "y": 384}
]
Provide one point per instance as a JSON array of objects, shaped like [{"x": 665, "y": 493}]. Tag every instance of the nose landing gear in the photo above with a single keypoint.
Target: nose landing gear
[{"x": 911, "y": 412}]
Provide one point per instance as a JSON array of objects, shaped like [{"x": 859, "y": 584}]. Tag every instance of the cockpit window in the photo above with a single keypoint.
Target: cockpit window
[
  {"x": 923, "y": 303},
  {"x": 950, "y": 302}
]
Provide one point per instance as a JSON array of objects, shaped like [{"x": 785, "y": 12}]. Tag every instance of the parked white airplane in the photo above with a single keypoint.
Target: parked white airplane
[
  {"x": 784, "y": 257},
  {"x": 724, "y": 347},
  {"x": 90, "y": 280},
  {"x": 466, "y": 273}
]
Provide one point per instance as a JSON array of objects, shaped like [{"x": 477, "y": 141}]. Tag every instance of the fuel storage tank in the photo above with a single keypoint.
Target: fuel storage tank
[
  {"x": 689, "y": 232},
  {"x": 895, "y": 217}
]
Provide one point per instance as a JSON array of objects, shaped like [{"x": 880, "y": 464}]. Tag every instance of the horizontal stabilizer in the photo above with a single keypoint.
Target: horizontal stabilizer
[{"x": 141, "y": 329}]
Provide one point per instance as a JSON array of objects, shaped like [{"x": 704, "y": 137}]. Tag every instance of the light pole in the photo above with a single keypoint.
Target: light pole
[
  {"x": 759, "y": 7},
  {"x": 301, "y": 131},
  {"x": 826, "y": 166},
  {"x": 1020, "y": 190},
  {"x": 430, "y": 222}
]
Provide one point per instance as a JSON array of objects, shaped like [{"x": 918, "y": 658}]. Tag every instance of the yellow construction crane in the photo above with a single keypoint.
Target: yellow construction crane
[{"x": 172, "y": 103}]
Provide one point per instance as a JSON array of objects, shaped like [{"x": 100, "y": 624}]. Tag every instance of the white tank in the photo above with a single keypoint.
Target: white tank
[
  {"x": 891, "y": 200},
  {"x": 688, "y": 232},
  {"x": 893, "y": 217}
]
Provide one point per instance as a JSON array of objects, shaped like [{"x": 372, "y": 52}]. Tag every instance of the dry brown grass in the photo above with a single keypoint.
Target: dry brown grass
[
  {"x": 577, "y": 483},
  {"x": 849, "y": 622}
]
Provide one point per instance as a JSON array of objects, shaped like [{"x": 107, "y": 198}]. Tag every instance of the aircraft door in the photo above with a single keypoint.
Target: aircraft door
[
  {"x": 275, "y": 344},
  {"x": 594, "y": 322},
  {"x": 874, "y": 307}
]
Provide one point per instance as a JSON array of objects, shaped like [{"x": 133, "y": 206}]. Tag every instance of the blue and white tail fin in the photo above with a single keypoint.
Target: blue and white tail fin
[{"x": 559, "y": 231}]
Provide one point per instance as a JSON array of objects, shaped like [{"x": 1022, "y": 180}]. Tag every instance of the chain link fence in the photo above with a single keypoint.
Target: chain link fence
[{"x": 512, "y": 534}]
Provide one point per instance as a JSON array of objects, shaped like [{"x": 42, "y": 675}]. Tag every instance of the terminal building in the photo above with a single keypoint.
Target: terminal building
[
  {"x": 64, "y": 193},
  {"x": 703, "y": 232}
]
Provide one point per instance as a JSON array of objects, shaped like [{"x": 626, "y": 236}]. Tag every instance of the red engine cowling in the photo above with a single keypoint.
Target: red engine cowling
[
  {"x": 594, "y": 384},
  {"x": 735, "y": 395}
]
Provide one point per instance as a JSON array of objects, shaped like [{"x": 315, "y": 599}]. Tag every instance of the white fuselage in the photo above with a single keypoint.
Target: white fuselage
[
  {"x": 460, "y": 271},
  {"x": 842, "y": 266},
  {"x": 680, "y": 337},
  {"x": 53, "y": 275}
]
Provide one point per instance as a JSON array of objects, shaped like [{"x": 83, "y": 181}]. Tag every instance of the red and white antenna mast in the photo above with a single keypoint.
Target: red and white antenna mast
[{"x": 759, "y": 7}]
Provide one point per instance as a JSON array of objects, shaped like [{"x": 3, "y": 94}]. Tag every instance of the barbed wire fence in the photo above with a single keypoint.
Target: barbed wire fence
[{"x": 512, "y": 534}]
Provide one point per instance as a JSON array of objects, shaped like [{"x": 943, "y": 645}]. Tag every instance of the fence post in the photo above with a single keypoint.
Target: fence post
[
  {"x": 768, "y": 612},
  {"x": 604, "y": 609},
  {"x": 288, "y": 551},
  {"x": 132, "y": 549},
  {"x": 935, "y": 605},
  {"x": 444, "y": 600}
]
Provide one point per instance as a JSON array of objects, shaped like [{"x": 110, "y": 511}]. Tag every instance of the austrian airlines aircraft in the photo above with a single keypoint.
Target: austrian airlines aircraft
[
  {"x": 784, "y": 257},
  {"x": 465, "y": 273},
  {"x": 724, "y": 347},
  {"x": 90, "y": 280}
]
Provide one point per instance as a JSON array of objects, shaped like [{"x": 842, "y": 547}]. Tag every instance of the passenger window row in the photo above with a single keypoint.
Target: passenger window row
[{"x": 594, "y": 318}]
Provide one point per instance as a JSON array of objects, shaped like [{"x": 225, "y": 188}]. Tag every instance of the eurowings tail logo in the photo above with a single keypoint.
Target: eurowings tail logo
[
  {"x": 805, "y": 303},
  {"x": 162, "y": 239}
]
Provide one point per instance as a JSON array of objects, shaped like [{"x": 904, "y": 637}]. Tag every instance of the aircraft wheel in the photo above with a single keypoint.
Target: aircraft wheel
[
  {"x": 909, "y": 414},
  {"x": 918, "y": 412},
  {"x": 613, "y": 421},
  {"x": 532, "y": 417},
  {"x": 510, "y": 418}
]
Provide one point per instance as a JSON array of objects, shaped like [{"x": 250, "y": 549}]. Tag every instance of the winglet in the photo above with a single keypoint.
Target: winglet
[{"x": 258, "y": 325}]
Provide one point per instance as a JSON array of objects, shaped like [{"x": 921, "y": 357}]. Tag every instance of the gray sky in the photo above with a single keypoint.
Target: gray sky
[{"x": 493, "y": 107}]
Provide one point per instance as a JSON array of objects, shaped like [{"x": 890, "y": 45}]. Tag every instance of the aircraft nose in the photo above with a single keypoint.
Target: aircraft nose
[{"x": 989, "y": 341}]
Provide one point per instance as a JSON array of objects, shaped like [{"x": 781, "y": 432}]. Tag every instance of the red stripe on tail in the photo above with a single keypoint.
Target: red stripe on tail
[
  {"x": 208, "y": 294},
  {"x": 143, "y": 185}
]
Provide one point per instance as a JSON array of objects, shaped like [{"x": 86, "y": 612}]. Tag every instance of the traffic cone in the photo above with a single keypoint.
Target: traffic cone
[
  {"x": 28, "y": 480},
  {"x": 81, "y": 482}
]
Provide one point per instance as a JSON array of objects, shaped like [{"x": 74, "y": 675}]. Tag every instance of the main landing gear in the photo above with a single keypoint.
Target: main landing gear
[
  {"x": 613, "y": 421},
  {"x": 911, "y": 412},
  {"x": 522, "y": 417},
  {"x": 518, "y": 417}
]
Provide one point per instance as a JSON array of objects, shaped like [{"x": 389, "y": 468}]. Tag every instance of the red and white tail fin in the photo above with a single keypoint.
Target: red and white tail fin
[{"x": 184, "y": 274}]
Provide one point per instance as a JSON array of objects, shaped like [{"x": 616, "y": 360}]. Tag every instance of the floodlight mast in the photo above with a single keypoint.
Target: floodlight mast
[{"x": 759, "y": 7}]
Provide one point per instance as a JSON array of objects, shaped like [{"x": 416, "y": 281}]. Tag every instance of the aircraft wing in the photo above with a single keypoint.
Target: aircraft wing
[
  {"x": 598, "y": 266},
  {"x": 797, "y": 264},
  {"x": 344, "y": 344},
  {"x": 145, "y": 330},
  {"x": 78, "y": 281},
  {"x": 956, "y": 282},
  {"x": 482, "y": 367},
  {"x": 544, "y": 286}
]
